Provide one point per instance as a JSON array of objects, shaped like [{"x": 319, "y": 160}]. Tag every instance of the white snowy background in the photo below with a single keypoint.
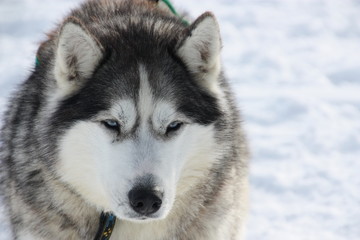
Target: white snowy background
[{"x": 295, "y": 67}]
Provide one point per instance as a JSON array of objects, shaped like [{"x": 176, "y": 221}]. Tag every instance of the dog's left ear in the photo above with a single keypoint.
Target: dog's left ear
[{"x": 200, "y": 50}]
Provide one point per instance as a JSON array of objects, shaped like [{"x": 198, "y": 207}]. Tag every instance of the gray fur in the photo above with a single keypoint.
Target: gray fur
[{"x": 127, "y": 32}]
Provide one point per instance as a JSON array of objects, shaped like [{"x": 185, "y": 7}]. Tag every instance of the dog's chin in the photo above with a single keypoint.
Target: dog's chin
[
  {"x": 143, "y": 219},
  {"x": 128, "y": 214},
  {"x": 137, "y": 218},
  {"x": 140, "y": 219}
]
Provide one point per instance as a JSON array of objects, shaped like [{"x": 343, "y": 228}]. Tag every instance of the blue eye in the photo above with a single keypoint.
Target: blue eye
[
  {"x": 111, "y": 124},
  {"x": 174, "y": 126}
]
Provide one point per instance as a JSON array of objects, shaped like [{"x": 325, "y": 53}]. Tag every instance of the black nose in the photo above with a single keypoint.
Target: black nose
[{"x": 145, "y": 201}]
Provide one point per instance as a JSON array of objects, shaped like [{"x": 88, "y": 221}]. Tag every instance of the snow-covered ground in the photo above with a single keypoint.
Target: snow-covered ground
[{"x": 295, "y": 66}]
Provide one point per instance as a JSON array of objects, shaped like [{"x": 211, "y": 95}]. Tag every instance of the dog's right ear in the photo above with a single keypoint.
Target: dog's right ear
[{"x": 77, "y": 55}]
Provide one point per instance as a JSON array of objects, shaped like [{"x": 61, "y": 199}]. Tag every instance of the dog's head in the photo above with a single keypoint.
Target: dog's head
[{"x": 136, "y": 106}]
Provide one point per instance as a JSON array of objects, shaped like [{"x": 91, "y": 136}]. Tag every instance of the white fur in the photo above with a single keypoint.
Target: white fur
[
  {"x": 26, "y": 235},
  {"x": 205, "y": 37},
  {"x": 103, "y": 171},
  {"x": 74, "y": 42},
  {"x": 82, "y": 149},
  {"x": 145, "y": 101},
  {"x": 191, "y": 161}
]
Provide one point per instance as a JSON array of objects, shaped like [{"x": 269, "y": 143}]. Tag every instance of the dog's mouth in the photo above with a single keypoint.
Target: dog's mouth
[
  {"x": 139, "y": 218},
  {"x": 146, "y": 218},
  {"x": 129, "y": 214}
]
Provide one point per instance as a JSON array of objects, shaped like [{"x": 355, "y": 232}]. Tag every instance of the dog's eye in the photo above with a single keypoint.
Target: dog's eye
[
  {"x": 111, "y": 124},
  {"x": 173, "y": 126}
]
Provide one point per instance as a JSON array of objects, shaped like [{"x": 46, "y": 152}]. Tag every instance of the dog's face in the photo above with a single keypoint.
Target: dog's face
[{"x": 140, "y": 128}]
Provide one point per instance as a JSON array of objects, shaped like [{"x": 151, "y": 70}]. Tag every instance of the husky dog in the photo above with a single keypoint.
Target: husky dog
[{"x": 127, "y": 112}]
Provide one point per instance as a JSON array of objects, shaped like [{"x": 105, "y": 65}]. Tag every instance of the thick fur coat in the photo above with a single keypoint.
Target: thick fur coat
[{"x": 126, "y": 96}]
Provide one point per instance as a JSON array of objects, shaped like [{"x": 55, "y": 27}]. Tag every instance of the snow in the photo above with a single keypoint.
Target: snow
[{"x": 295, "y": 67}]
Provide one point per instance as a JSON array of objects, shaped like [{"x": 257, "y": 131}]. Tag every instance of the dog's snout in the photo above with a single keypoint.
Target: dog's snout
[{"x": 145, "y": 201}]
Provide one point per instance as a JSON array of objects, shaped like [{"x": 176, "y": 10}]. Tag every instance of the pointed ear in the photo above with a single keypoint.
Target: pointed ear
[
  {"x": 200, "y": 50},
  {"x": 77, "y": 55}
]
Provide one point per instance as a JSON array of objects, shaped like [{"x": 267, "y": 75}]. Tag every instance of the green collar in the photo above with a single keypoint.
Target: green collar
[
  {"x": 37, "y": 62},
  {"x": 172, "y": 9}
]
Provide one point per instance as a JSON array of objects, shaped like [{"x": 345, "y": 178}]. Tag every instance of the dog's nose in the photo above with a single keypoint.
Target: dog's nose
[{"x": 145, "y": 201}]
